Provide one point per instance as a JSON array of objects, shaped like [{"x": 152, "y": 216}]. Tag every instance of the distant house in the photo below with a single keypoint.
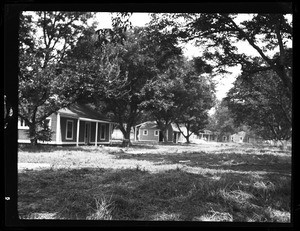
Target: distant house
[
  {"x": 207, "y": 135},
  {"x": 203, "y": 135},
  {"x": 118, "y": 135},
  {"x": 241, "y": 137},
  {"x": 149, "y": 131},
  {"x": 76, "y": 125}
]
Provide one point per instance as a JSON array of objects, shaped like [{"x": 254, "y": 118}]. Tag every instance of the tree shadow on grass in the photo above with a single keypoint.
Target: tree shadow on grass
[
  {"x": 222, "y": 161},
  {"x": 50, "y": 148},
  {"x": 134, "y": 194}
]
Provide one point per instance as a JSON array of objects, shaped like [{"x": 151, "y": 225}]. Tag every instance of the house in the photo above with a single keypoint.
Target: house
[
  {"x": 149, "y": 131},
  {"x": 203, "y": 135},
  {"x": 75, "y": 125},
  {"x": 238, "y": 137},
  {"x": 241, "y": 137},
  {"x": 207, "y": 135}
]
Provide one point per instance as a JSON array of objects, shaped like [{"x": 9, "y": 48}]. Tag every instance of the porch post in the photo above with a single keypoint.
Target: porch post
[
  {"x": 110, "y": 131},
  {"x": 58, "y": 129},
  {"x": 77, "y": 135},
  {"x": 96, "y": 134}
]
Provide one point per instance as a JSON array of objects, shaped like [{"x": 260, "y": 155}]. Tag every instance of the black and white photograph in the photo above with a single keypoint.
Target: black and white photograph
[{"x": 153, "y": 116}]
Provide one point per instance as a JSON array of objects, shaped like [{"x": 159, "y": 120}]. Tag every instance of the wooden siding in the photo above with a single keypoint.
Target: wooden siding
[
  {"x": 23, "y": 133},
  {"x": 53, "y": 125},
  {"x": 150, "y": 137}
]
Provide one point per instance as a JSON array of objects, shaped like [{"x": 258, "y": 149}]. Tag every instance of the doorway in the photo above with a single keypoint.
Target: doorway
[
  {"x": 175, "y": 137},
  {"x": 87, "y": 132},
  {"x": 160, "y": 136}
]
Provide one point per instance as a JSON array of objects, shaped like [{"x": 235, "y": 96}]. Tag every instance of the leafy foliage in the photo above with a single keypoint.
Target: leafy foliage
[
  {"x": 45, "y": 82},
  {"x": 260, "y": 102},
  {"x": 120, "y": 65},
  {"x": 221, "y": 122},
  {"x": 194, "y": 98},
  {"x": 219, "y": 35}
]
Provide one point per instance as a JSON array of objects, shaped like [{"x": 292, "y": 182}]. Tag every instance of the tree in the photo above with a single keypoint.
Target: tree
[
  {"x": 195, "y": 96},
  {"x": 163, "y": 47},
  {"x": 45, "y": 82},
  {"x": 222, "y": 122},
  {"x": 119, "y": 66},
  {"x": 122, "y": 63},
  {"x": 259, "y": 101},
  {"x": 219, "y": 34},
  {"x": 160, "y": 103}
]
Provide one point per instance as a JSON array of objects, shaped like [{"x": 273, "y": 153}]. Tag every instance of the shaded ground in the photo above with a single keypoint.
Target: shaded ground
[{"x": 168, "y": 182}]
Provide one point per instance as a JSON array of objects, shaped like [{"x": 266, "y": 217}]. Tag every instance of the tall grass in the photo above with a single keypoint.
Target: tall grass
[
  {"x": 103, "y": 211},
  {"x": 133, "y": 194}
]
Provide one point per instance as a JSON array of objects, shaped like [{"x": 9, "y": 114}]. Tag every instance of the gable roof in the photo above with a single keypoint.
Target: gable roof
[
  {"x": 148, "y": 125},
  {"x": 153, "y": 125},
  {"x": 175, "y": 128},
  {"x": 82, "y": 111}
]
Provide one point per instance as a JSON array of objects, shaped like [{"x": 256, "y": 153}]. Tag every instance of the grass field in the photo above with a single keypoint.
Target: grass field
[{"x": 197, "y": 182}]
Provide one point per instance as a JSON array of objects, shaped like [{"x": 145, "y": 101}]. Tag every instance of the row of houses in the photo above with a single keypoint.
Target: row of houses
[
  {"x": 149, "y": 131},
  {"x": 79, "y": 125}
]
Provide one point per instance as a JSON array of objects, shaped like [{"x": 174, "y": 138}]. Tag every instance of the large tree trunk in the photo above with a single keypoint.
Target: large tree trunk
[
  {"x": 126, "y": 136},
  {"x": 32, "y": 134},
  {"x": 126, "y": 141},
  {"x": 187, "y": 139}
]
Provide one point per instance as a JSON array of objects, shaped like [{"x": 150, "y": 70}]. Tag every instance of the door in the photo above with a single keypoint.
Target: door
[
  {"x": 87, "y": 132},
  {"x": 174, "y": 137},
  {"x": 160, "y": 137}
]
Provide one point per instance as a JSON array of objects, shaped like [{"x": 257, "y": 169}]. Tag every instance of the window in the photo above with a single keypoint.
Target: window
[
  {"x": 156, "y": 132},
  {"x": 47, "y": 123},
  {"x": 22, "y": 124},
  {"x": 224, "y": 138},
  {"x": 102, "y": 132},
  {"x": 69, "y": 129},
  {"x": 231, "y": 138},
  {"x": 241, "y": 138},
  {"x": 145, "y": 132}
]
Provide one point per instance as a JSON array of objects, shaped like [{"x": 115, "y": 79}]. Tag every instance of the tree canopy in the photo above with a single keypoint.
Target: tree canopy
[
  {"x": 259, "y": 101},
  {"x": 44, "y": 86},
  {"x": 125, "y": 71},
  {"x": 270, "y": 35}
]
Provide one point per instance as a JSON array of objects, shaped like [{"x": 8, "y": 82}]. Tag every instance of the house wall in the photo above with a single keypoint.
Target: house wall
[
  {"x": 82, "y": 131},
  {"x": 23, "y": 133},
  {"x": 99, "y": 132},
  {"x": 238, "y": 137},
  {"x": 53, "y": 118},
  {"x": 150, "y": 136}
]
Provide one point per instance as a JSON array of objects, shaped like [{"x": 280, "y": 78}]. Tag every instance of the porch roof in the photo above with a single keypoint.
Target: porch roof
[{"x": 83, "y": 112}]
